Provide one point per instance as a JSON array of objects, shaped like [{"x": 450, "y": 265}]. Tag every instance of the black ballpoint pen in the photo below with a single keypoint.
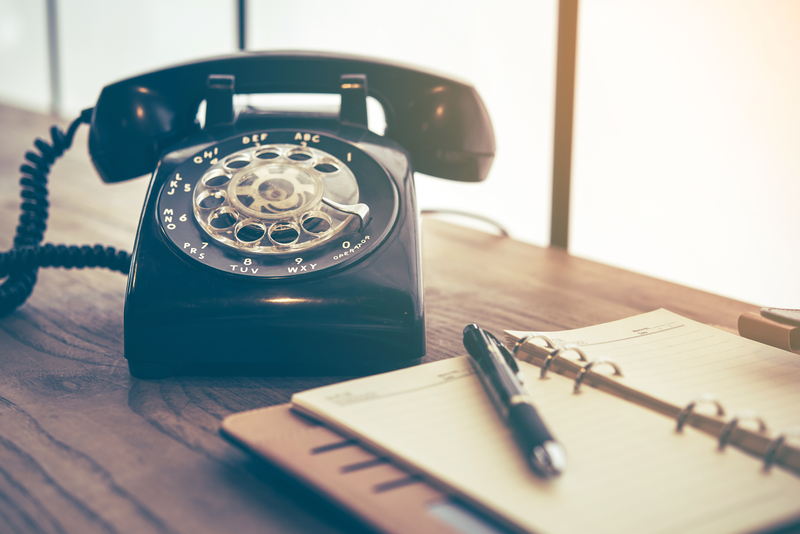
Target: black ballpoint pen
[{"x": 502, "y": 380}]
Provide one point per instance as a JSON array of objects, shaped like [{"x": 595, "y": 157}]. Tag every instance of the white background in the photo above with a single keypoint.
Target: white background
[
  {"x": 686, "y": 161},
  {"x": 687, "y": 113}
]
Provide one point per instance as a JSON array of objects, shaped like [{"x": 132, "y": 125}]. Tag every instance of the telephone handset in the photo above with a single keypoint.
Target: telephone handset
[{"x": 285, "y": 242}]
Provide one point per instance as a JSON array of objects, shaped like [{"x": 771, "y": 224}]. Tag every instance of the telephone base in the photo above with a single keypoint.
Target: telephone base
[
  {"x": 151, "y": 370},
  {"x": 157, "y": 370}
]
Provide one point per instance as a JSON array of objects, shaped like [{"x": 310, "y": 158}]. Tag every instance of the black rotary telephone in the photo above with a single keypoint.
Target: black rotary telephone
[{"x": 285, "y": 242}]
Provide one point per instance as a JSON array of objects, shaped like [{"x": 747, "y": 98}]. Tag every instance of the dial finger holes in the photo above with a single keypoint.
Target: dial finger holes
[
  {"x": 316, "y": 223},
  {"x": 268, "y": 199},
  {"x": 267, "y": 153},
  {"x": 300, "y": 154},
  {"x": 216, "y": 179},
  {"x": 236, "y": 161},
  {"x": 284, "y": 233},
  {"x": 326, "y": 166},
  {"x": 250, "y": 231},
  {"x": 222, "y": 218},
  {"x": 211, "y": 199}
]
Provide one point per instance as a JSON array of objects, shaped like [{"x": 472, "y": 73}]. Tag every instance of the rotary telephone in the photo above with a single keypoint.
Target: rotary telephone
[{"x": 283, "y": 242}]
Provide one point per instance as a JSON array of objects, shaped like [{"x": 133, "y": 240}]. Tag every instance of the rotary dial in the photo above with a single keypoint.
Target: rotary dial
[{"x": 277, "y": 199}]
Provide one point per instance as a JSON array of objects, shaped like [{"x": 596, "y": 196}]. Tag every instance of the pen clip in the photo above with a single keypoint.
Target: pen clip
[{"x": 507, "y": 356}]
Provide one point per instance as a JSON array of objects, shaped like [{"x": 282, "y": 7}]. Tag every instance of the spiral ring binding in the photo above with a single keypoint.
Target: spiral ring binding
[
  {"x": 773, "y": 446},
  {"x": 586, "y": 368},
  {"x": 557, "y": 353},
  {"x": 727, "y": 429},
  {"x": 705, "y": 398}
]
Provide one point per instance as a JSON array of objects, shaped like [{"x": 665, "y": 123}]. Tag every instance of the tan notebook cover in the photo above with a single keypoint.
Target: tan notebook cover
[{"x": 386, "y": 497}]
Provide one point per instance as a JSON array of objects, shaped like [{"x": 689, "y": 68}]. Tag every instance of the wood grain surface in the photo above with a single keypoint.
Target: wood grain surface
[{"x": 86, "y": 448}]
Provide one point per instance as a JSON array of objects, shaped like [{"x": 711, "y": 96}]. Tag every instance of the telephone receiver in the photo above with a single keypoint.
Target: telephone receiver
[
  {"x": 441, "y": 122},
  {"x": 271, "y": 242}
]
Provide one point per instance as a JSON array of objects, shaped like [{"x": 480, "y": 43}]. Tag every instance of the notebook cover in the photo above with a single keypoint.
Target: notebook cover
[{"x": 386, "y": 497}]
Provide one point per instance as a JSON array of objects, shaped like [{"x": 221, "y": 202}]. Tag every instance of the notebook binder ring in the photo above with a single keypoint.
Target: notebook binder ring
[
  {"x": 772, "y": 447},
  {"x": 727, "y": 428},
  {"x": 530, "y": 337},
  {"x": 557, "y": 353},
  {"x": 586, "y": 368},
  {"x": 705, "y": 398}
]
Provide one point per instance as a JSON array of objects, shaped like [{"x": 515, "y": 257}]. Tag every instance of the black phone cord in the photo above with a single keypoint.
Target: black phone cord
[{"x": 21, "y": 264}]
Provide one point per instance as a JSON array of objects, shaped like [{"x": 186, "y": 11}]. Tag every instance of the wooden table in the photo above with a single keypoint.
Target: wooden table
[{"x": 86, "y": 448}]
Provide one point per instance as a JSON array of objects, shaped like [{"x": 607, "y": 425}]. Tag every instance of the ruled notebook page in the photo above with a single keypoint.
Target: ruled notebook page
[
  {"x": 628, "y": 471},
  {"x": 676, "y": 359}
]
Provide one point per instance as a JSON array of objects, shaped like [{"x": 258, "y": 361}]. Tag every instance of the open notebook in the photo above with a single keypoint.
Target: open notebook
[
  {"x": 669, "y": 361},
  {"x": 628, "y": 471}
]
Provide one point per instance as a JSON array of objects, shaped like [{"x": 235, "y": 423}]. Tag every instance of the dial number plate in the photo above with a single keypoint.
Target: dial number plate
[{"x": 272, "y": 204}]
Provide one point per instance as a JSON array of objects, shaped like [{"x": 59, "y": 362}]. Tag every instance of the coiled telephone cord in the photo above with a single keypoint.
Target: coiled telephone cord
[{"x": 21, "y": 264}]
